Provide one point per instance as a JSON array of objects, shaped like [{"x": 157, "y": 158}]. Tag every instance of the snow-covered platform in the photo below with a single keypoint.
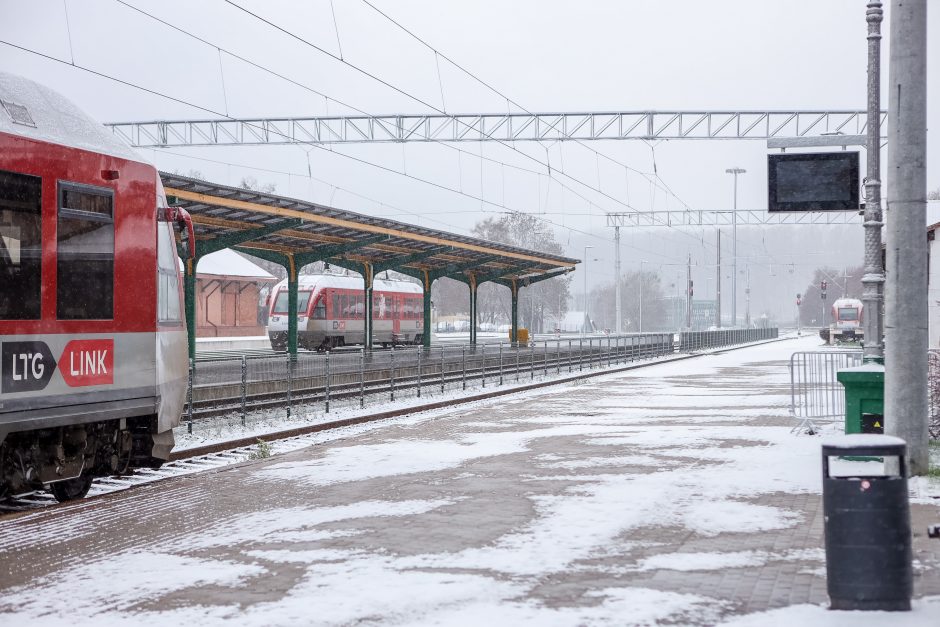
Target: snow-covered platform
[{"x": 670, "y": 494}]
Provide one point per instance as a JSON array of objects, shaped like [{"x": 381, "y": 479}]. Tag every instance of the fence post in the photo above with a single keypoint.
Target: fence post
[
  {"x": 532, "y": 361},
  {"x": 580, "y": 355},
  {"x": 391, "y": 372},
  {"x": 442, "y": 369},
  {"x": 500, "y": 363},
  {"x": 189, "y": 397},
  {"x": 420, "y": 350},
  {"x": 546, "y": 359},
  {"x": 244, "y": 409},
  {"x": 327, "y": 394},
  {"x": 483, "y": 369},
  {"x": 362, "y": 378},
  {"x": 463, "y": 370}
]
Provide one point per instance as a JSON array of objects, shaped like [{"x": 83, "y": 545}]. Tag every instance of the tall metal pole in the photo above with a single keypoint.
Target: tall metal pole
[
  {"x": 747, "y": 295},
  {"x": 688, "y": 293},
  {"x": 641, "y": 296},
  {"x": 734, "y": 246},
  {"x": 906, "y": 411},
  {"x": 617, "y": 278},
  {"x": 586, "y": 317},
  {"x": 718, "y": 285},
  {"x": 873, "y": 280}
]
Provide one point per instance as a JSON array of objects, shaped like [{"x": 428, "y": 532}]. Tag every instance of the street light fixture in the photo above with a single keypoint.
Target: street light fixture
[{"x": 734, "y": 247}]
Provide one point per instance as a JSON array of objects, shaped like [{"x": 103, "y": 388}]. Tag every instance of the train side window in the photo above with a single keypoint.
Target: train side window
[
  {"x": 85, "y": 257},
  {"x": 168, "y": 292},
  {"x": 319, "y": 310},
  {"x": 20, "y": 246}
]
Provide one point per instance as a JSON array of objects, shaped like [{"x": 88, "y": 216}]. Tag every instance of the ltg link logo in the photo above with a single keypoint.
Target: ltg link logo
[{"x": 29, "y": 366}]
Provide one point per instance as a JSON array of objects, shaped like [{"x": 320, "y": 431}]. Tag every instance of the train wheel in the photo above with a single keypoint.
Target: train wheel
[{"x": 71, "y": 489}]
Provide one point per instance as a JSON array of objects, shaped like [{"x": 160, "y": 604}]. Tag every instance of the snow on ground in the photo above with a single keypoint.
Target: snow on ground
[{"x": 596, "y": 465}]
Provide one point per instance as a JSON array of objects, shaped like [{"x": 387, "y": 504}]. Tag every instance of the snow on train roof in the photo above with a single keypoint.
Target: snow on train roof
[
  {"x": 354, "y": 282},
  {"x": 31, "y": 110}
]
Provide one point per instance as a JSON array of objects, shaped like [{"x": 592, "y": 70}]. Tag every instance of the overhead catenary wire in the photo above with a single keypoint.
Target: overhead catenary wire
[
  {"x": 327, "y": 98},
  {"x": 509, "y": 101},
  {"x": 418, "y": 99},
  {"x": 357, "y": 159}
]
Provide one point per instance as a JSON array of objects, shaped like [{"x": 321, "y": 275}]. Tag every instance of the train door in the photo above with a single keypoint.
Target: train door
[
  {"x": 396, "y": 314},
  {"x": 172, "y": 353}
]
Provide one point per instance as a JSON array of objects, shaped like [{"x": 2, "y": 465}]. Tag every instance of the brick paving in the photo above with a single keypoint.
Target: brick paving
[{"x": 676, "y": 479}]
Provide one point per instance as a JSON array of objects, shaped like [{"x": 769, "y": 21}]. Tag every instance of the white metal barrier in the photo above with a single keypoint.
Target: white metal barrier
[{"x": 815, "y": 393}]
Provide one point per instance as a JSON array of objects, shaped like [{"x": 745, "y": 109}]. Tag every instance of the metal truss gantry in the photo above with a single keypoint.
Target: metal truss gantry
[
  {"x": 505, "y": 127},
  {"x": 721, "y": 218}
]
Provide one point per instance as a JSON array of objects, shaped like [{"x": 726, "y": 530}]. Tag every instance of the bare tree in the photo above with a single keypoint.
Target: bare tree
[
  {"x": 251, "y": 183},
  {"x": 537, "y": 302}
]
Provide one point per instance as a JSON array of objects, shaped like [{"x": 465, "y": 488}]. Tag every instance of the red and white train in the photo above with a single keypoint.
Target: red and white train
[
  {"x": 331, "y": 312},
  {"x": 93, "y": 346},
  {"x": 846, "y": 326}
]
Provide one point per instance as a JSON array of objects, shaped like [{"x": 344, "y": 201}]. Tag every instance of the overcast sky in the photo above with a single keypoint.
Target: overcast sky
[{"x": 545, "y": 55}]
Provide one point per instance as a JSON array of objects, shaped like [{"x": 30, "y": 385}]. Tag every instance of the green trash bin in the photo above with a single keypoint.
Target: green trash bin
[{"x": 864, "y": 398}]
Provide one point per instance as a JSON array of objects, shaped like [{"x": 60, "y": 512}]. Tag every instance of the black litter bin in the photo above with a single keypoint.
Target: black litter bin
[{"x": 868, "y": 528}]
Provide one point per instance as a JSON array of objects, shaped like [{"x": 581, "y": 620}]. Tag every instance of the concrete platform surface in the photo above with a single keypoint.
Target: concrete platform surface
[{"x": 672, "y": 494}]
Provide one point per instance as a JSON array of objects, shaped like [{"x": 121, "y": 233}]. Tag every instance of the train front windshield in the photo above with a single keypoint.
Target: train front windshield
[
  {"x": 280, "y": 303},
  {"x": 848, "y": 313}
]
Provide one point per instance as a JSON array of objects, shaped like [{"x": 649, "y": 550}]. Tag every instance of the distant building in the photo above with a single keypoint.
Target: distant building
[{"x": 228, "y": 291}]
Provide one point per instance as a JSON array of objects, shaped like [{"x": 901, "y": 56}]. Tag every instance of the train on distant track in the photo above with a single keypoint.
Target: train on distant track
[
  {"x": 846, "y": 325},
  {"x": 93, "y": 347},
  {"x": 331, "y": 312}
]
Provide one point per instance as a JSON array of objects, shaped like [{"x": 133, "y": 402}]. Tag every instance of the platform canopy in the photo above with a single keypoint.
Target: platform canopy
[
  {"x": 295, "y": 233},
  {"x": 258, "y": 223}
]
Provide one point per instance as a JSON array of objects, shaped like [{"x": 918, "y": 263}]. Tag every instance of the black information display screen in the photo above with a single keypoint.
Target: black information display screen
[{"x": 816, "y": 181}]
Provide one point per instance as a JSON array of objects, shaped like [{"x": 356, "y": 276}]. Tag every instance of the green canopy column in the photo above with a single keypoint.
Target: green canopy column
[
  {"x": 514, "y": 331},
  {"x": 426, "y": 332},
  {"x": 189, "y": 301},
  {"x": 292, "y": 286},
  {"x": 368, "y": 278},
  {"x": 473, "y": 308}
]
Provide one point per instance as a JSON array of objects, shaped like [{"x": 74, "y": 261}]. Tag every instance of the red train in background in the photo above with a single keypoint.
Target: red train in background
[
  {"x": 93, "y": 345},
  {"x": 331, "y": 312}
]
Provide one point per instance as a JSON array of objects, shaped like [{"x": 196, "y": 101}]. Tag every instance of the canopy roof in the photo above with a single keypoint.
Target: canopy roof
[{"x": 272, "y": 226}]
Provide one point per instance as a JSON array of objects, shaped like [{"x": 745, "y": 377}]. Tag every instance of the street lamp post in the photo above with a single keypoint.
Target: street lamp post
[
  {"x": 585, "y": 288},
  {"x": 734, "y": 246}
]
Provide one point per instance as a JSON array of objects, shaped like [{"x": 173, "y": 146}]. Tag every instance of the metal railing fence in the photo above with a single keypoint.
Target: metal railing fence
[
  {"x": 815, "y": 393},
  {"x": 258, "y": 384}
]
